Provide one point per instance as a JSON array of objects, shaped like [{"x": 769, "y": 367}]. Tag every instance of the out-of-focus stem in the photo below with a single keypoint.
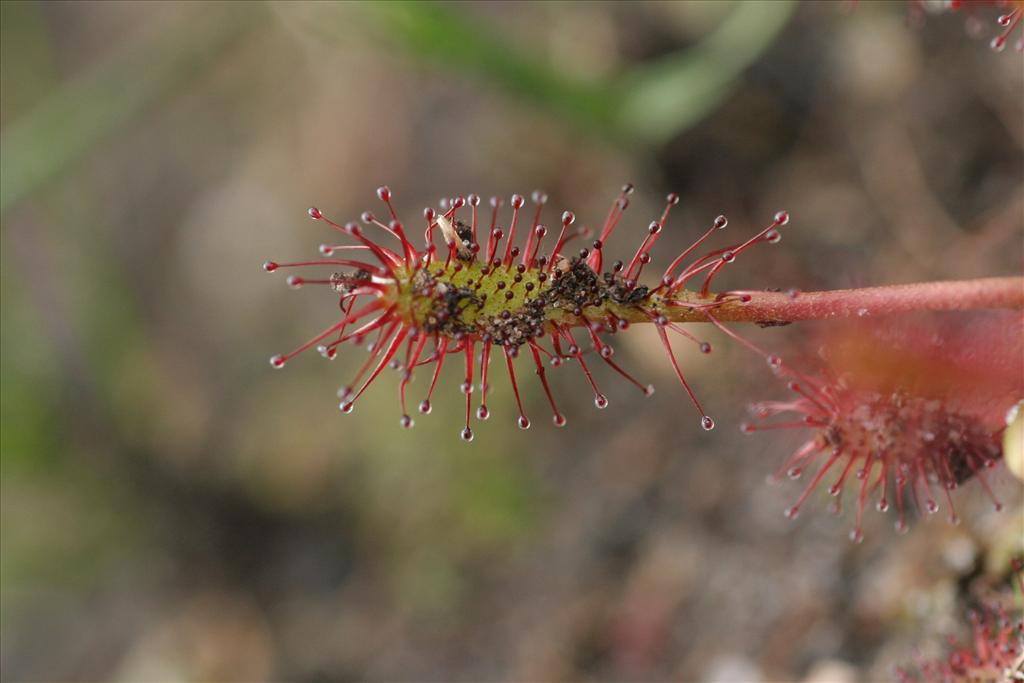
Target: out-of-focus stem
[{"x": 783, "y": 307}]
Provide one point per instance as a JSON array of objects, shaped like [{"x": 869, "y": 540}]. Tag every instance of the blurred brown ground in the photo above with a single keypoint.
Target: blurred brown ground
[{"x": 173, "y": 509}]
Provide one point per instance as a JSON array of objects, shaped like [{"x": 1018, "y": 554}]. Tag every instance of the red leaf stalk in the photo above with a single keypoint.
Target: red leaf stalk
[{"x": 768, "y": 307}]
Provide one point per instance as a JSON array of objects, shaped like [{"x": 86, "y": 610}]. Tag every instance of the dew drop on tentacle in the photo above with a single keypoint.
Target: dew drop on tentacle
[
  {"x": 405, "y": 420},
  {"x": 270, "y": 266},
  {"x": 314, "y": 213},
  {"x": 277, "y": 361},
  {"x": 523, "y": 422},
  {"x": 425, "y": 407},
  {"x": 482, "y": 413},
  {"x": 601, "y": 401},
  {"x": 707, "y": 423},
  {"x": 467, "y": 434},
  {"x": 346, "y": 406},
  {"x": 558, "y": 420}
]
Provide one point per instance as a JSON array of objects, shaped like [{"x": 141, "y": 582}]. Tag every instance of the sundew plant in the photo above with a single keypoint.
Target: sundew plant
[{"x": 634, "y": 340}]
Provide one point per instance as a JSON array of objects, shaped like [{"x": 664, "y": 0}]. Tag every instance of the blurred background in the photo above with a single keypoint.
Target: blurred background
[{"x": 173, "y": 509}]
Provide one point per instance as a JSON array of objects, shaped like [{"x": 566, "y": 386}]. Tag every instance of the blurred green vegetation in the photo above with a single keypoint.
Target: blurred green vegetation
[
  {"x": 76, "y": 527},
  {"x": 647, "y": 103}
]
